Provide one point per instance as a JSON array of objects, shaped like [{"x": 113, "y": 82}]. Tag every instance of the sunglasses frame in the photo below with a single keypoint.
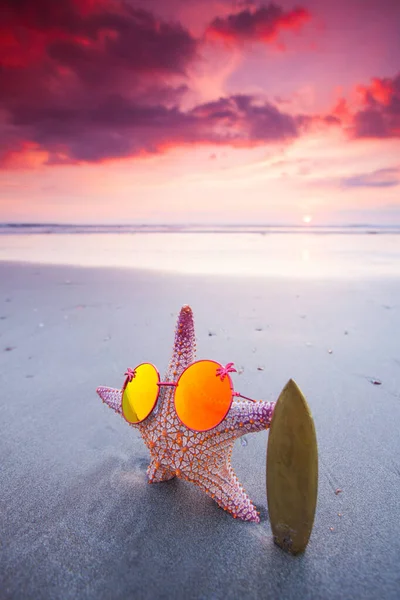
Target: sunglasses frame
[
  {"x": 218, "y": 365},
  {"x": 175, "y": 385},
  {"x": 155, "y": 401}
]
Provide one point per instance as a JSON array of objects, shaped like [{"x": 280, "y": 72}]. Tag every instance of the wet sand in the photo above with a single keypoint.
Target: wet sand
[{"x": 77, "y": 516}]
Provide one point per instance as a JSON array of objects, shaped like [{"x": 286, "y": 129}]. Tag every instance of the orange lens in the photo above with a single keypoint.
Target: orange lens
[
  {"x": 202, "y": 400},
  {"x": 140, "y": 395}
]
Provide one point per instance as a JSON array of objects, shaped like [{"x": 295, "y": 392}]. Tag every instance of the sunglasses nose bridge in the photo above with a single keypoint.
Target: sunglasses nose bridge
[{"x": 166, "y": 384}]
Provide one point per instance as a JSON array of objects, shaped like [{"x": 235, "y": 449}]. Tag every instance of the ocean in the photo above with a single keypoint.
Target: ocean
[{"x": 251, "y": 250}]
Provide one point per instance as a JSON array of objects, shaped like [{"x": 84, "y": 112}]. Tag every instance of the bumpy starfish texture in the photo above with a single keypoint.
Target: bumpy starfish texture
[{"x": 204, "y": 458}]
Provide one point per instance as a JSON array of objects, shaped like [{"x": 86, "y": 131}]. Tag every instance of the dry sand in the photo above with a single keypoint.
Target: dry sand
[{"x": 77, "y": 517}]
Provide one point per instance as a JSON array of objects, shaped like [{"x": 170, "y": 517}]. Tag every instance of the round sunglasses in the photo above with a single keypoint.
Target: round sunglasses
[{"x": 203, "y": 394}]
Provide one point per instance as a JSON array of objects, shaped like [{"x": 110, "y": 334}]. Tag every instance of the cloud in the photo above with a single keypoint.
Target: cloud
[
  {"x": 87, "y": 33},
  {"x": 382, "y": 178},
  {"x": 117, "y": 127},
  {"x": 260, "y": 25},
  {"x": 91, "y": 80},
  {"x": 67, "y": 68},
  {"x": 87, "y": 81},
  {"x": 240, "y": 118},
  {"x": 373, "y": 113},
  {"x": 379, "y": 116}
]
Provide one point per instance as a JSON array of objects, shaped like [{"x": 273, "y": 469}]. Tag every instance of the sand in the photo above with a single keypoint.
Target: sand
[{"x": 77, "y": 516}]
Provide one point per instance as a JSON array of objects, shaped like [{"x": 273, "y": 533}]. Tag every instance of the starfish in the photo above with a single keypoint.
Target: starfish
[{"x": 203, "y": 458}]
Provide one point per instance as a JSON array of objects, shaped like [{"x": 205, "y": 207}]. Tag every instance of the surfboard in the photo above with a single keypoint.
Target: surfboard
[{"x": 292, "y": 470}]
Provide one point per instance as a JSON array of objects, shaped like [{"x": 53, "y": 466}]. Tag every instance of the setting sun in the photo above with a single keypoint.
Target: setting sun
[{"x": 307, "y": 219}]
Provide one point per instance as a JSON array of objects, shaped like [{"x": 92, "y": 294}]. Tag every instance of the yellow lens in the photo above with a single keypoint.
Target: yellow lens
[
  {"x": 140, "y": 395},
  {"x": 202, "y": 400}
]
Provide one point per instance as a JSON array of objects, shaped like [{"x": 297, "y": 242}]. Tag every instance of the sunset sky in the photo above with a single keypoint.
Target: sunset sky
[{"x": 200, "y": 111}]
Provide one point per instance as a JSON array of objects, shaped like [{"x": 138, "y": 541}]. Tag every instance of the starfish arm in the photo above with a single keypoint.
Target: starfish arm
[
  {"x": 111, "y": 397},
  {"x": 248, "y": 417},
  {"x": 225, "y": 489},
  {"x": 157, "y": 472},
  {"x": 183, "y": 354}
]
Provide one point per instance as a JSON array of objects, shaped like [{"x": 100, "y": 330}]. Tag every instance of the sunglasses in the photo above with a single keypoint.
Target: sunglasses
[{"x": 203, "y": 394}]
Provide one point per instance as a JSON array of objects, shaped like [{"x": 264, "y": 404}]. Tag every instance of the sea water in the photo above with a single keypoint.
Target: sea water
[{"x": 261, "y": 251}]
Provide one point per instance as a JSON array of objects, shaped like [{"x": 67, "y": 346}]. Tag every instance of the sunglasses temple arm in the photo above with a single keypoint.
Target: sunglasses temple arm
[{"x": 245, "y": 397}]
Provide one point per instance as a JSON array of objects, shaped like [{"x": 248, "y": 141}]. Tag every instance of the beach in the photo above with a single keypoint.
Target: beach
[{"x": 77, "y": 516}]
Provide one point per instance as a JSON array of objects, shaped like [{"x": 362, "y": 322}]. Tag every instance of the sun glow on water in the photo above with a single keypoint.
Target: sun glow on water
[{"x": 293, "y": 255}]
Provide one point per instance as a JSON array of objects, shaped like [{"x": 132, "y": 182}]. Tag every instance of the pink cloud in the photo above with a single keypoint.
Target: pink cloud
[
  {"x": 63, "y": 65},
  {"x": 258, "y": 25},
  {"x": 86, "y": 81},
  {"x": 116, "y": 127},
  {"x": 105, "y": 80},
  {"x": 375, "y": 113},
  {"x": 380, "y": 115}
]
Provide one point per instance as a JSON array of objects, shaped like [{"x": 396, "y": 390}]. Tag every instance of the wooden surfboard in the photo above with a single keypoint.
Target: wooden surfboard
[{"x": 292, "y": 470}]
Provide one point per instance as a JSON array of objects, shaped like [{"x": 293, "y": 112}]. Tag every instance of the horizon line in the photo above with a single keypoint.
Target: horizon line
[{"x": 196, "y": 224}]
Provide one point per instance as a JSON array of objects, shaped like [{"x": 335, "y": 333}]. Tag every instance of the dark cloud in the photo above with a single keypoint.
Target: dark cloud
[
  {"x": 379, "y": 116},
  {"x": 262, "y": 24},
  {"x": 382, "y": 178},
  {"x": 243, "y": 119},
  {"x": 46, "y": 15},
  {"x": 84, "y": 80},
  {"x": 117, "y": 127},
  {"x": 114, "y": 34},
  {"x": 74, "y": 73},
  {"x": 313, "y": 122},
  {"x": 105, "y": 80}
]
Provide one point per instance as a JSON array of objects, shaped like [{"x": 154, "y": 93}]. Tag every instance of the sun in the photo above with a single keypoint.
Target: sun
[{"x": 307, "y": 219}]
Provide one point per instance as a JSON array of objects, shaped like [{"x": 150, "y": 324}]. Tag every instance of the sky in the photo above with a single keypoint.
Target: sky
[{"x": 200, "y": 111}]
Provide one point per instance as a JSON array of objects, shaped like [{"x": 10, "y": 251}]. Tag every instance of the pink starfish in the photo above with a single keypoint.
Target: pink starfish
[{"x": 204, "y": 458}]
